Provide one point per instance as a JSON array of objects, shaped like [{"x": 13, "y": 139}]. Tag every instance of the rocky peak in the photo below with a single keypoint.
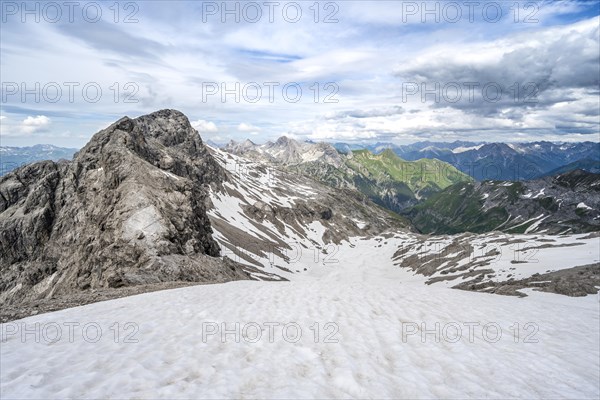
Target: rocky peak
[
  {"x": 164, "y": 139},
  {"x": 129, "y": 209},
  {"x": 285, "y": 141},
  {"x": 240, "y": 147},
  {"x": 287, "y": 151}
]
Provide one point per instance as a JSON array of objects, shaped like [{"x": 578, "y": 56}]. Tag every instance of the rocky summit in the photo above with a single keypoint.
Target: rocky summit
[{"x": 128, "y": 210}]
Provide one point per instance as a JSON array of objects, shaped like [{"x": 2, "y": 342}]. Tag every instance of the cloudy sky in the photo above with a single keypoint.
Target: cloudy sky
[{"x": 337, "y": 71}]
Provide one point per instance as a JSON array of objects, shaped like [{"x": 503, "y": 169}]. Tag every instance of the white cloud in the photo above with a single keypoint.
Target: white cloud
[
  {"x": 35, "y": 124},
  {"x": 204, "y": 126},
  {"x": 26, "y": 127},
  {"x": 243, "y": 127}
]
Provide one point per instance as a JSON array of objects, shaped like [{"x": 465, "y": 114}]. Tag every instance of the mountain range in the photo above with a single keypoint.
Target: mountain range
[
  {"x": 585, "y": 164},
  {"x": 438, "y": 198},
  {"x": 481, "y": 161},
  {"x": 435, "y": 195},
  {"x": 494, "y": 161},
  {"x": 385, "y": 178},
  {"x": 13, "y": 157}
]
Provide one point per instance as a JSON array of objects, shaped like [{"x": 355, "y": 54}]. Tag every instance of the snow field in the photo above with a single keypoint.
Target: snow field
[{"x": 369, "y": 305}]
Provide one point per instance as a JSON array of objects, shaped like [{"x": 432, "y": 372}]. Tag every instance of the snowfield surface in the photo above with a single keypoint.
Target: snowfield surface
[{"x": 377, "y": 338}]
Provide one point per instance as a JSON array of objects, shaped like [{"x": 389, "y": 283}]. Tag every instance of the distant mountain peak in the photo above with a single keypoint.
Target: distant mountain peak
[
  {"x": 388, "y": 153},
  {"x": 284, "y": 140}
]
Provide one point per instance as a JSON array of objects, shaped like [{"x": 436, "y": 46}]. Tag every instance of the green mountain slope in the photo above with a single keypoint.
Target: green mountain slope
[
  {"x": 385, "y": 178},
  {"x": 423, "y": 177}
]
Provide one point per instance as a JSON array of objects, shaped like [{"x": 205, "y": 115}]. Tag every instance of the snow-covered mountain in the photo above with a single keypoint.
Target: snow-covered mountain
[
  {"x": 271, "y": 187},
  {"x": 287, "y": 151},
  {"x": 279, "y": 222}
]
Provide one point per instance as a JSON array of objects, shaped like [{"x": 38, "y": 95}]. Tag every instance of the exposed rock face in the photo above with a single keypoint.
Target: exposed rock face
[{"x": 130, "y": 209}]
